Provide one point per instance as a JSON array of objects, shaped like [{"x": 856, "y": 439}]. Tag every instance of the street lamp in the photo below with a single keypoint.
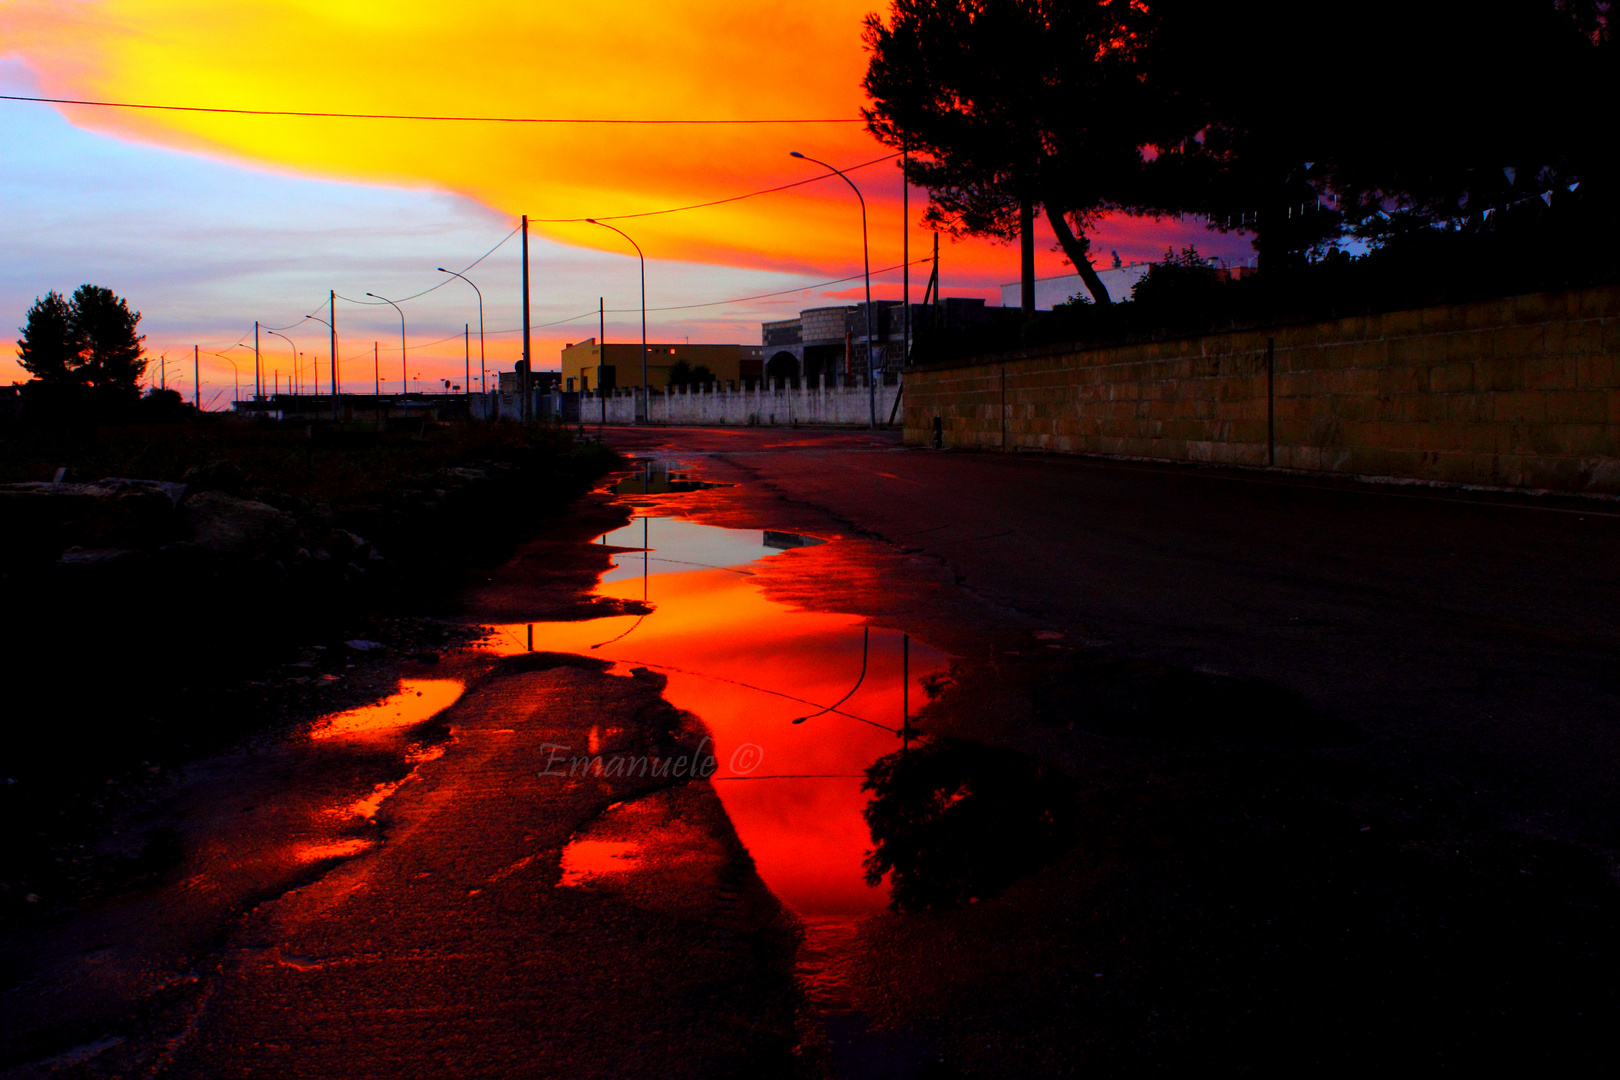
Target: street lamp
[
  {"x": 290, "y": 343},
  {"x": 481, "y": 386},
  {"x": 404, "y": 383},
  {"x": 867, "y": 260},
  {"x": 335, "y": 398},
  {"x": 641, "y": 413},
  {"x": 236, "y": 375}
]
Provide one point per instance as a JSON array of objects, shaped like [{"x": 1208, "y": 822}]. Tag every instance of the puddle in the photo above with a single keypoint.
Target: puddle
[
  {"x": 331, "y": 849},
  {"x": 681, "y": 546},
  {"x": 799, "y": 704},
  {"x": 750, "y": 667},
  {"x": 416, "y": 701},
  {"x": 659, "y": 478},
  {"x": 583, "y": 860}
]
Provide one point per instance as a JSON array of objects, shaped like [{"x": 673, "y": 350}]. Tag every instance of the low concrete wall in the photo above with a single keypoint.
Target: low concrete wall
[
  {"x": 1521, "y": 392},
  {"x": 756, "y": 403}
]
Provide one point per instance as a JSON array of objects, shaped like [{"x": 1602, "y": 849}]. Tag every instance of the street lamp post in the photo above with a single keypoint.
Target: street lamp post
[
  {"x": 641, "y": 412},
  {"x": 866, "y": 259},
  {"x": 481, "y": 386},
  {"x": 289, "y": 342},
  {"x": 236, "y": 377},
  {"x": 333, "y": 328},
  {"x": 404, "y": 382}
]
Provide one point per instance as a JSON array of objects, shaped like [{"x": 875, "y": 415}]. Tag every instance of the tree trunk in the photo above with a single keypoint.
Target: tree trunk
[
  {"x": 1077, "y": 248},
  {"x": 1026, "y": 256}
]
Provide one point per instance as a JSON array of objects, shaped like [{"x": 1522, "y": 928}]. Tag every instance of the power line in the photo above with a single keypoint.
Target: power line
[
  {"x": 442, "y": 283},
  {"x": 412, "y": 116},
  {"x": 783, "y": 292},
  {"x": 684, "y": 307},
  {"x": 716, "y": 202}
]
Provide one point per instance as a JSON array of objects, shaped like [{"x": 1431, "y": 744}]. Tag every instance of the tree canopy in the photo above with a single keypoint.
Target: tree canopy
[
  {"x": 1014, "y": 104},
  {"x": 88, "y": 342},
  {"x": 1294, "y": 122}
]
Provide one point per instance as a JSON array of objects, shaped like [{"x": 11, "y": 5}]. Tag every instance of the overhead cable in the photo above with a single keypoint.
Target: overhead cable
[
  {"x": 415, "y": 116},
  {"x": 716, "y": 202}
]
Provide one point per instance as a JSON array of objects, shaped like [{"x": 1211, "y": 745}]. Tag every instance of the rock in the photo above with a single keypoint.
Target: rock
[
  {"x": 227, "y": 525},
  {"x": 98, "y": 557},
  {"x": 362, "y": 645},
  {"x": 345, "y": 546},
  {"x": 113, "y": 512},
  {"x": 215, "y": 476}
]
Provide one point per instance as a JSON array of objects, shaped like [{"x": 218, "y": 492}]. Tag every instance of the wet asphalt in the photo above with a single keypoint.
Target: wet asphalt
[{"x": 1344, "y": 754}]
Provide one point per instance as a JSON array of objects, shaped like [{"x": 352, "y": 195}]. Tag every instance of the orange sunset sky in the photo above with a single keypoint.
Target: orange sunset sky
[{"x": 674, "y": 59}]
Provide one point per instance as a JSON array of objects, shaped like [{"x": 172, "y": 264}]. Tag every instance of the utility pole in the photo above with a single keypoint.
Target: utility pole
[
  {"x": 466, "y": 363},
  {"x": 866, "y": 262},
  {"x": 196, "y": 390},
  {"x": 258, "y": 387},
  {"x": 937, "y": 326},
  {"x": 905, "y": 259},
  {"x": 376, "y": 373},
  {"x": 636, "y": 415},
  {"x": 527, "y": 411},
  {"x": 601, "y": 360},
  {"x": 331, "y": 300}
]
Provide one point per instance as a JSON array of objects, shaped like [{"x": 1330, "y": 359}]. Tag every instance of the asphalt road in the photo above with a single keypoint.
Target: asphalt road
[
  {"x": 1480, "y": 628},
  {"x": 1343, "y": 756}
]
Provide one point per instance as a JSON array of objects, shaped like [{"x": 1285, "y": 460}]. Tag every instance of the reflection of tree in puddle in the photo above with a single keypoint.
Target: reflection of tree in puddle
[{"x": 954, "y": 821}]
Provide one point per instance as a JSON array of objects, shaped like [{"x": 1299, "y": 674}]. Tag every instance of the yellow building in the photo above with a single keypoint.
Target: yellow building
[{"x": 584, "y": 367}]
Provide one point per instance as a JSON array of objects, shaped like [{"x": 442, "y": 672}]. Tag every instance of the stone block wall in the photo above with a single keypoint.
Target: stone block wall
[{"x": 1522, "y": 391}]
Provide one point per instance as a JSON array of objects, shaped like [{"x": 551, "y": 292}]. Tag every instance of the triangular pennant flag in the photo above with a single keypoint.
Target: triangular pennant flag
[
  {"x": 1309, "y": 165},
  {"x": 1575, "y": 185},
  {"x": 1486, "y": 216},
  {"x": 1546, "y": 197},
  {"x": 1510, "y": 173}
]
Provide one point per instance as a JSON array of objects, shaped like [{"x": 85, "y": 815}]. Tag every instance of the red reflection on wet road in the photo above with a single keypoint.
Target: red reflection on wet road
[
  {"x": 749, "y": 666},
  {"x": 417, "y": 700}
]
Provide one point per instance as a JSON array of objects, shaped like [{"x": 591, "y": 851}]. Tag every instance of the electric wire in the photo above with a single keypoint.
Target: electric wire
[
  {"x": 442, "y": 282},
  {"x": 423, "y": 116},
  {"x": 677, "y": 307},
  {"x": 716, "y": 202}
]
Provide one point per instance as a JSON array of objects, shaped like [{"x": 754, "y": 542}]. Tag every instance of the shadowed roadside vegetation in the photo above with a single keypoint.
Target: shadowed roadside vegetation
[{"x": 149, "y": 622}]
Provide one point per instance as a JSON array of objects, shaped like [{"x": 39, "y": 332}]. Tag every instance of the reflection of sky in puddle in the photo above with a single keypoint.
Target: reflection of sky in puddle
[
  {"x": 677, "y": 546},
  {"x": 417, "y": 700},
  {"x": 749, "y": 666},
  {"x": 585, "y": 859},
  {"x": 330, "y": 849}
]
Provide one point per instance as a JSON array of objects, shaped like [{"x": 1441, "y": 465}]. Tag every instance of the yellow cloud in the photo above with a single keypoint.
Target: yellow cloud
[{"x": 669, "y": 59}]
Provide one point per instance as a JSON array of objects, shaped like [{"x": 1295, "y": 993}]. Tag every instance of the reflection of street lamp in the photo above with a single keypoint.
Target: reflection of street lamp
[
  {"x": 404, "y": 384},
  {"x": 642, "y": 414},
  {"x": 289, "y": 341},
  {"x": 481, "y": 387},
  {"x": 867, "y": 260}
]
